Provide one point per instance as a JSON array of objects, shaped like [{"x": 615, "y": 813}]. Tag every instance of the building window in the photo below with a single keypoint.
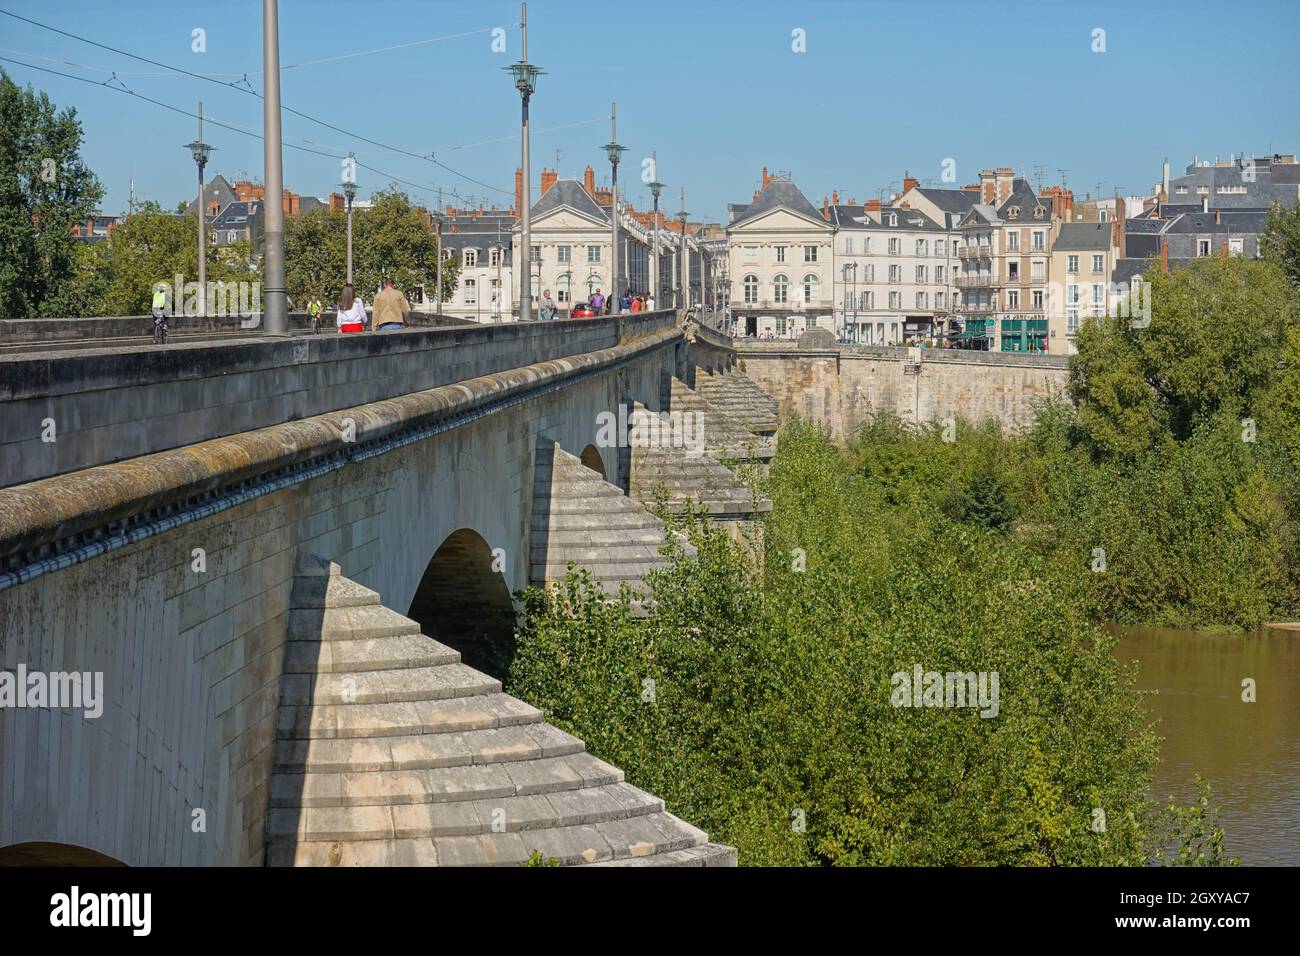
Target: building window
[
  {"x": 562, "y": 295},
  {"x": 1235, "y": 247},
  {"x": 1097, "y": 263},
  {"x": 536, "y": 255},
  {"x": 471, "y": 292},
  {"x": 809, "y": 253},
  {"x": 1096, "y": 293},
  {"x": 780, "y": 326},
  {"x": 1013, "y": 271},
  {"x": 1013, "y": 241},
  {"x": 848, "y": 245},
  {"x": 893, "y": 219},
  {"x": 940, "y": 273},
  {"x": 920, "y": 300},
  {"x": 921, "y": 247},
  {"x": 1104, "y": 214},
  {"x": 1072, "y": 295},
  {"x": 1013, "y": 299},
  {"x": 780, "y": 289},
  {"x": 780, "y": 253},
  {"x": 895, "y": 245},
  {"x": 895, "y": 300},
  {"x": 751, "y": 289},
  {"x": 1013, "y": 212},
  {"x": 1039, "y": 240},
  {"x": 939, "y": 300},
  {"x": 1071, "y": 321},
  {"x": 1038, "y": 270},
  {"x": 593, "y": 253},
  {"x": 810, "y": 289},
  {"x": 871, "y": 272},
  {"x": 895, "y": 273},
  {"x": 1072, "y": 265},
  {"x": 867, "y": 300},
  {"x": 920, "y": 273},
  {"x": 494, "y": 257},
  {"x": 563, "y": 253},
  {"x": 751, "y": 253},
  {"x": 940, "y": 247},
  {"x": 471, "y": 258},
  {"x": 1203, "y": 247},
  {"x": 1038, "y": 298}
]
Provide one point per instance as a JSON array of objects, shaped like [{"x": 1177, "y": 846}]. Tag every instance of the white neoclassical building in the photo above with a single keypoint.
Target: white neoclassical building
[
  {"x": 571, "y": 240},
  {"x": 780, "y": 263}
]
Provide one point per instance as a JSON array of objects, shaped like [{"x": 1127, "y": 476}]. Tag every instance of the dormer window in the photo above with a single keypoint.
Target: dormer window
[
  {"x": 893, "y": 219},
  {"x": 1038, "y": 212},
  {"x": 1013, "y": 212},
  {"x": 471, "y": 258}
]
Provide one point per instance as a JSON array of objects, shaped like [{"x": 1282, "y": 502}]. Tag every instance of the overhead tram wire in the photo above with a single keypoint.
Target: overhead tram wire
[
  {"x": 422, "y": 187},
  {"x": 248, "y": 89}
]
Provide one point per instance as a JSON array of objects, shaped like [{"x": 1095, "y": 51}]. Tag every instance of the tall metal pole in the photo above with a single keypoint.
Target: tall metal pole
[
  {"x": 525, "y": 82},
  {"x": 349, "y": 241},
  {"x": 203, "y": 239},
  {"x": 614, "y": 150},
  {"x": 655, "y": 187},
  {"x": 277, "y": 298},
  {"x": 683, "y": 275},
  {"x": 438, "y": 233}
]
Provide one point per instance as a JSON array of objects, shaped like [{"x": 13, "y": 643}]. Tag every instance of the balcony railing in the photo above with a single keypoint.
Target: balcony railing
[
  {"x": 974, "y": 252},
  {"x": 975, "y": 282}
]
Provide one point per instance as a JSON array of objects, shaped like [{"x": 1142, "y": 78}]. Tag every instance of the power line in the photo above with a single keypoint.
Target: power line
[
  {"x": 248, "y": 89},
  {"x": 423, "y": 187}
]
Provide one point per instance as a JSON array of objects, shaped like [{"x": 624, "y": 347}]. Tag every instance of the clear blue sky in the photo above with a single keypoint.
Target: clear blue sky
[{"x": 713, "y": 85}]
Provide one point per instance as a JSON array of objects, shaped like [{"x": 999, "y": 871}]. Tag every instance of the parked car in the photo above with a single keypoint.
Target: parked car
[{"x": 582, "y": 311}]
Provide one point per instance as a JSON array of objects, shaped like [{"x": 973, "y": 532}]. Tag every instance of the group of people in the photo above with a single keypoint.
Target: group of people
[
  {"x": 600, "y": 304},
  {"x": 389, "y": 312}
]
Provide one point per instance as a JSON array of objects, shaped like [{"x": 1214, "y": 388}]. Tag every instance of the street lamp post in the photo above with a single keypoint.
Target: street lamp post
[
  {"x": 350, "y": 193},
  {"x": 614, "y": 151},
  {"x": 277, "y": 297},
  {"x": 683, "y": 283},
  {"x": 525, "y": 75},
  {"x": 655, "y": 188},
  {"x": 437, "y": 220},
  {"x": 201, "y": 151}
]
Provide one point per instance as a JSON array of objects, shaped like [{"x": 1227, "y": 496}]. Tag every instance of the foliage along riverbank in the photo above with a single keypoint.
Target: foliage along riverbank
[{"x": 758, "y": 698}]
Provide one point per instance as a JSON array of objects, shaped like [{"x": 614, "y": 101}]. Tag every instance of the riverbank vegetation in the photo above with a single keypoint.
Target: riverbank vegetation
[{"x": 757, "y": 697}]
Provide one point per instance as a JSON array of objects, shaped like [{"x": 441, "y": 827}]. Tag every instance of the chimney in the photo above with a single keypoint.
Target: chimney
[
  {"x": 871, "y": 205},
  {"x": 766, "y": 179},
  {"x": 1218, "y": 219},
  {"x": 519, "y": 189},
  {"x": 988, "y": 187},
  {"x": 589, "y": 182},
  {"x": 1205, "y": 204},
  {"x": 1164, "y": 182},
  {"x": 1006, "y": 176},
  {"x": 826, "y": 209},
  {"x": 1164, "y": 255},
  {"x": 835, "y": 197},
  {"x": 549, "y": 176},
  {"x": 909, "y": 182}
]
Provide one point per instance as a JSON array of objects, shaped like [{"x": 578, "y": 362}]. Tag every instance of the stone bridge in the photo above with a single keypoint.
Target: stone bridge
[{"x": 291, "y": 564}]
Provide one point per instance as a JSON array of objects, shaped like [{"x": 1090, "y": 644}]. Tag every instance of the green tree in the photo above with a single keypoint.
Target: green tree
[
  {"x": 389, "y": 240},
  {"x": 1280, "y": 241},
  {"x": 1214, "y": 342},
  {"x": 45, "y": 189}
]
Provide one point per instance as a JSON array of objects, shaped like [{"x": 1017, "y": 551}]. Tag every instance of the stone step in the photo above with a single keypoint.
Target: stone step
[
  {"x": 366, "y": 654},
  {"x": 709, "y": 854},
  {"x": 425, "y": 751},
  {"x": 439, "y": 682},
  {"x": 316, "y": 591},
  {"x": 634, "y": 838},
  {"x": 406, "y": 718},
  {"x": 348, "y": 623},
  {"x": 441, "y": 785}
]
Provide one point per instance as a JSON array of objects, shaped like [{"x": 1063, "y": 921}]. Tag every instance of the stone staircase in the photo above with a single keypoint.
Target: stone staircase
[
  {"x": 725, "y": 437},
  {"x": 578, "y": 516},
  {"x": 390, "y": 751},
  {"x": 690, "y": 477},
  {"x": 740, "y": 397}
]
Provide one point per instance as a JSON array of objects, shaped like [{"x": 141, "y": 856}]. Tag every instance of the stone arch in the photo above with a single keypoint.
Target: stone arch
[
  {"x": 463, "y": 601},
  {"x": 591, "y": 458},
  {"x": 39, "y": 853}
]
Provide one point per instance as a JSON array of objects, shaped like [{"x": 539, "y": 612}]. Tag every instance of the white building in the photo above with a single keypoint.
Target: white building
[
  {"x": 480, "y": 244},
  {"x": 780, "y": 262}
]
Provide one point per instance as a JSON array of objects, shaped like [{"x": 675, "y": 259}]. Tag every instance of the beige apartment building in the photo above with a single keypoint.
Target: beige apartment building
[{"x": 1084, "y": 256}]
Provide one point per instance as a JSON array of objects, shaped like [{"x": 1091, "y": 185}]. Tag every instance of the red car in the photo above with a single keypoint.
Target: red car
[{"x": 582, "y": 311}]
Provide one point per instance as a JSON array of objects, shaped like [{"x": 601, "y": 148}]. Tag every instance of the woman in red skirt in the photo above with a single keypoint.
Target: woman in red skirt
[{"x": 351, "y": 316}]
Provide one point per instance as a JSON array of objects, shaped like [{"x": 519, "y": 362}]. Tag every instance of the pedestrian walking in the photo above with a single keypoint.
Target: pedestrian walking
[
  {"x": 350, "y": 314},
  {"x": 650, "y": 302},
  {"x": 625, "y": 302},
  {"x": 598, "y": 302},
  {"x": 636, "y": 303},
  {"x": 390, "y": 309},
  {"x": 548, "y": 306}
]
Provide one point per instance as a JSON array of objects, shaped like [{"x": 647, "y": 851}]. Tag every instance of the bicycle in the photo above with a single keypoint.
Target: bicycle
[{"x": 159, "y": 328}]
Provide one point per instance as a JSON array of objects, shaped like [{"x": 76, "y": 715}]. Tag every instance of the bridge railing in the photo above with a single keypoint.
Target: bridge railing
[{"x": 65, "y": 409}]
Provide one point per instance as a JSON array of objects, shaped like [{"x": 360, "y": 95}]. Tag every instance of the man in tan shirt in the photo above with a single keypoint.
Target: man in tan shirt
[{"x": 389, "y": 312}]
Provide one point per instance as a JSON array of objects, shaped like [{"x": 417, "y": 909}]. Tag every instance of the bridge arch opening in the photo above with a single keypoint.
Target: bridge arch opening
[
  {"x": 464, "y": 602},
  {"x": 53, "y": 854},
  {"x": 591, "y": 458}
]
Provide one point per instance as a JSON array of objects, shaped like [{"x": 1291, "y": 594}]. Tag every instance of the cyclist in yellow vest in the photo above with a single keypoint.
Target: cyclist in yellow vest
[{"x": 159, "y": 314}]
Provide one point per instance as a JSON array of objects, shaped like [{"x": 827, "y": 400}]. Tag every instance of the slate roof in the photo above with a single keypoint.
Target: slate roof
[
  {"x": 776, "y": 194},
  {"x": 237, "y": 215},
  {"x": 1126, "y": 269},
  {"x": 1083, "y": 237},
  {"x": 571, "y": 193},
  {"x": 1230, "y": 221},
  {"x": 957, "y": 201},
  {"x": 1022, "y": 197},
  {"x": 217, "y": 190}
]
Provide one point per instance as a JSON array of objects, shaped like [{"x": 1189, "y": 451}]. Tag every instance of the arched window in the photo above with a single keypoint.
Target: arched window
[
  {"x": 751, "y": 289},
  {"x": 780, "y": 289},
  {"x": 810, "y": 285}
]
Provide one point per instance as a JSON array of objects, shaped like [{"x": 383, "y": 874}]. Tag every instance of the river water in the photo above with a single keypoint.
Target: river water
[{"x": 1249, "y": 752}]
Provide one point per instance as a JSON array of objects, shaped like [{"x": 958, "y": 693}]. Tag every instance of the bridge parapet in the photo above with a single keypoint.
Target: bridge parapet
[{"x": 63, "y": 410}]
